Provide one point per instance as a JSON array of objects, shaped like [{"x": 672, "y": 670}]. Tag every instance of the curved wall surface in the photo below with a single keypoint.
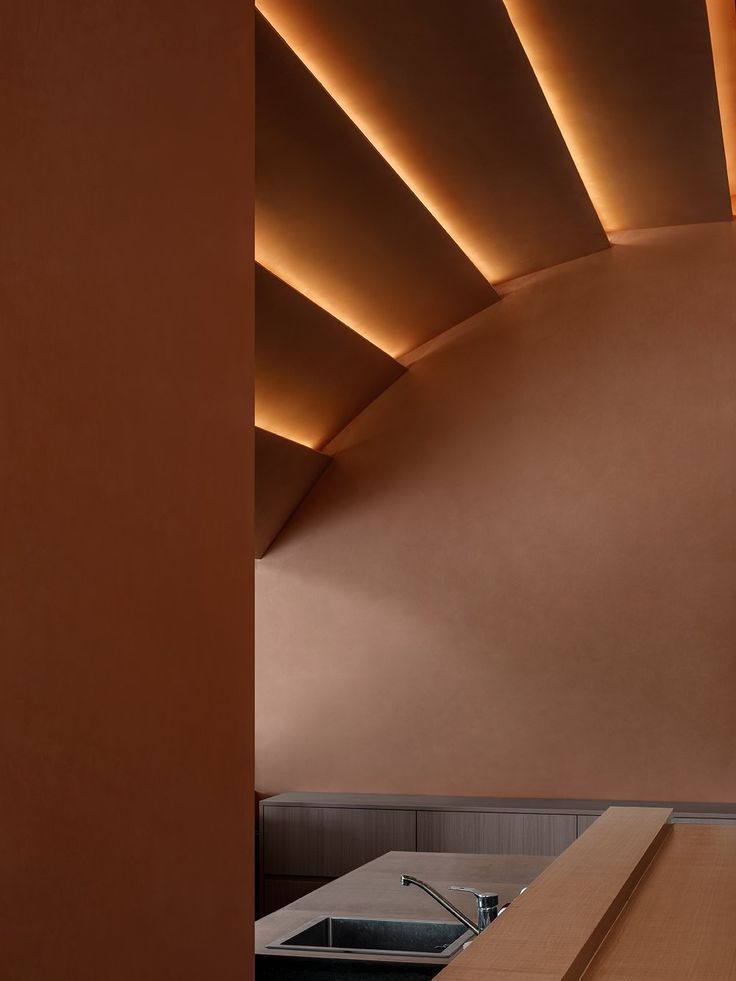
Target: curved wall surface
[{"x": 518, "y": 577}]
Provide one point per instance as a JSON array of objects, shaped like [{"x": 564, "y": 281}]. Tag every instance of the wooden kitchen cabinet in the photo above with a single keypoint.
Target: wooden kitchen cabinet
[
  {"x": 327, "y": 842},
  {"x": 495, "y": 834},
  {"x": 302, "y": 848},
  {"x": 585, "y": 821},
  {"x": 307, "y": 839}
]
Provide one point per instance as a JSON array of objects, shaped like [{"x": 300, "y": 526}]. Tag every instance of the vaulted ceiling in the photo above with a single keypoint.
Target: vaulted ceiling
[{"x": 412, "y": 156}]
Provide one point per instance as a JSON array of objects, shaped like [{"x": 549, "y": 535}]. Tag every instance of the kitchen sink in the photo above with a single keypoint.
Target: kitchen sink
[{"x": 353, "y": 935}]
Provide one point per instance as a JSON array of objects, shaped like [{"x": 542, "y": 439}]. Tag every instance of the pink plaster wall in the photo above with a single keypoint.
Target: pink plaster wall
[{"x": 519, "y": 575}]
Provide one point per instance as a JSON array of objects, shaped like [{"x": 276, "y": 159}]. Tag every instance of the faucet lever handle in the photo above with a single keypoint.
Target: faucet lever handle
[
  {"x": 479, "y": 895},
  {"x": 487, "y": 904}
]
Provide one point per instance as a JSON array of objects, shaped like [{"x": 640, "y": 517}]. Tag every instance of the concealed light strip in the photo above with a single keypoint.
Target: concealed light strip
[
  {"x": 267, "y": 255},
  {"x": 722, "y": 22},
  {"x": 307, "y": 51},
  {"x": 261, "y": 422},
  {"x": 566, "y": 112}
]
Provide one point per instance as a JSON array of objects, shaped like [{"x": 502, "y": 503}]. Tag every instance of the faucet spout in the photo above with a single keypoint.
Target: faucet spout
[{"x": 410, "y": 880}]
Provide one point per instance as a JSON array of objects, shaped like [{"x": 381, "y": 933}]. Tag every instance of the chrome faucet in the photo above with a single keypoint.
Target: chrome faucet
[{"x": 487, "y": 903}]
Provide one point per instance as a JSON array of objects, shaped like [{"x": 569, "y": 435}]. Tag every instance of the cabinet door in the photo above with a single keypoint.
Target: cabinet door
[
  {"x": 330, "y": 841},
  {"x": 494, "y": 833},
  {"x": 585, "y": 821}
]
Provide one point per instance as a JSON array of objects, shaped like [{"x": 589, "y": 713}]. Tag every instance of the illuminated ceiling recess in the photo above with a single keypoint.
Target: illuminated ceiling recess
[
  {"x": 722, "y": 20},
  {"x": 632, "y": 88},
  {"x": 312, "y": 373},
  {"x": 453, "y": 105},
  {"x": 285, "y": 473},
  {"x": 334, "y": 220}
]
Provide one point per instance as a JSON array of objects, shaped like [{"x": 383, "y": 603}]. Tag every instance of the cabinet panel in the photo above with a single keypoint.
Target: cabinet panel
[
  {"x": 585, "y": 821},
  {"x": 499, "y": 834},
  {"x": 330, "y": 841},
  {"x": 278, "y": 892}
]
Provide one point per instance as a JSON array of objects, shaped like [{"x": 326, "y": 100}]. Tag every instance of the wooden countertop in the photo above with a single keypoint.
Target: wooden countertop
[
  {"x": 375, "y": 890},
  {"x": 553, "y": 930},
  {"x": 681, "y": 921},
  {"x": 517, "y": 805}
]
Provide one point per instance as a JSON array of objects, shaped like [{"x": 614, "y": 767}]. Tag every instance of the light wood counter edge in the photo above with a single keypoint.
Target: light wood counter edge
[
  {"x": 679, "y": 921},
  {"x": 554, "y": 929}
]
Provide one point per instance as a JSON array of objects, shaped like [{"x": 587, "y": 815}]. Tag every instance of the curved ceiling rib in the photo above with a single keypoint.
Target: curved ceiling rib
[
  {"x": 447, "y": 95},
  {"x": 313, "y": 374},
  {"x": 337, "y": 223},
  {"x": 631, "y": 85},
  {"x": 285, "y": 473}
]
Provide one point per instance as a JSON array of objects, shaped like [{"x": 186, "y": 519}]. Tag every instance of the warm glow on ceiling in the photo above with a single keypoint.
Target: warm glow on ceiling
[
  {"x": 302, "y": 44},
  {"x": 271, "y": 422},
  {"x": 262, "y": 420},
  {"x": 269, "y": 255},
  {"x": 722, "y": 22},
  {"x": 568, "y": 106}
]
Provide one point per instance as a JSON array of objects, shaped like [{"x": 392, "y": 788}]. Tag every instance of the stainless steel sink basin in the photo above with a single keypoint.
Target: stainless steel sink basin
[{"x": 352, "y": 935}]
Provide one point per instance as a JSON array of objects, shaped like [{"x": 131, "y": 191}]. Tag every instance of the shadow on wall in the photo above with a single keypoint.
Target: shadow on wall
[
  {"x": 425, "y": 422},
  {"x": 518, "y": 576}
]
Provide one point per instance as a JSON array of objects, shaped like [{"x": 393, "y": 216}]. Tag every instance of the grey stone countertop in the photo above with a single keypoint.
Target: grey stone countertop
[{"x": 375, "y": 890}]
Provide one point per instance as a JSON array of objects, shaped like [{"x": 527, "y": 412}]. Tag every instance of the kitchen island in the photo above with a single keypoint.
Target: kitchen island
[
  {"x": 375, "y": 891},
  {"x": 635, "y": 897}
]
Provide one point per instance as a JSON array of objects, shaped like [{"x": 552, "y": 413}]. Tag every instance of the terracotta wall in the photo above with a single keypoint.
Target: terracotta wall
[
  {"x": 519, "y": 574},
  {"x": 124, "y": 431}
]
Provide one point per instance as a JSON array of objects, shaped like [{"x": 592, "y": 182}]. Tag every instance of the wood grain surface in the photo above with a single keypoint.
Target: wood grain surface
[
  {"x": 551, "y": 932},
  {"x": 585, "y": 821},
  {"x": 679, "y": 924},
  {"x": 328, "y": 842},
  {"x": 501, "y": 834}
]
